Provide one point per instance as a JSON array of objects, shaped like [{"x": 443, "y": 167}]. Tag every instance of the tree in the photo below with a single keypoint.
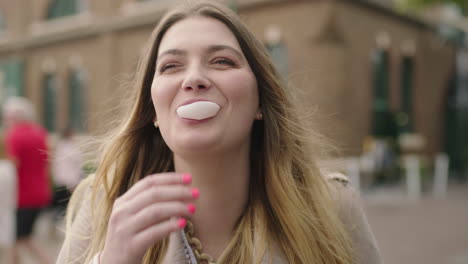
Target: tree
[{"x": 413, "y": 5}]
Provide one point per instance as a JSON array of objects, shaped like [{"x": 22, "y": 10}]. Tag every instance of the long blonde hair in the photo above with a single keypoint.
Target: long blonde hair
[{"x": 289, "y": 205}]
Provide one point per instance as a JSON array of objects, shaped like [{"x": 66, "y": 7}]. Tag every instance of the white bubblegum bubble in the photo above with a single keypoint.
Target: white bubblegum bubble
[{"x": 198, "y": 110}]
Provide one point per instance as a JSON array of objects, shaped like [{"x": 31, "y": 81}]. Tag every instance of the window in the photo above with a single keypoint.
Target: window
[
  {"x": 76, "y": 100},
  {"x": 62, "y": 8},
  {"x": 49, "y": 101}
]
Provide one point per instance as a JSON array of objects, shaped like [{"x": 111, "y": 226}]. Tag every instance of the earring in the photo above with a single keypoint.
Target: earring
[
  {"x": 259, "y": 116},
  {"x": 156, "y": 124}
]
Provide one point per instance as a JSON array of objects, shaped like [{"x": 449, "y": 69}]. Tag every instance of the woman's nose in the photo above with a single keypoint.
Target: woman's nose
[{"x": 195, "y": 80}]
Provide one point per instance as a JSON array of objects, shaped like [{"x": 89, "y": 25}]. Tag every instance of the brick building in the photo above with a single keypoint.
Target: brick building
[{"x": 345, "y": 59}]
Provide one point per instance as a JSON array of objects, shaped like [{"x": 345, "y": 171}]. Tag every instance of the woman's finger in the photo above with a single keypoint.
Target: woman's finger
[
  {"x": 157, "y": 194},
  {"x": 157, "y": 213},
  {"x": 167, "y": 178},
  {"x": 147, "y": 237}
]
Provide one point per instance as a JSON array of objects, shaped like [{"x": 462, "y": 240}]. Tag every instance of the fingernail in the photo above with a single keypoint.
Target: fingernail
[
  {"x": 186, "y": 178},
  {"x": 191, "y": 208},
  {"x": 181, "y": 223},
  {"x": 195, "y": 193}
]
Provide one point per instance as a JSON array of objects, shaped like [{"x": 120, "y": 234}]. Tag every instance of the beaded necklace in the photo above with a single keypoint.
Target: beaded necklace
[{"x": 196, "y": 245}]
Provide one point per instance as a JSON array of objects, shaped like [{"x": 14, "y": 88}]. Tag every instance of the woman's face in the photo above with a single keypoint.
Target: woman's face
[{"x": 204, "y": 91}]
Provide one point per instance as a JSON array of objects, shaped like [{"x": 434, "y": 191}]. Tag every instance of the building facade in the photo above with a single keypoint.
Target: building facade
[{"x": 349, "y": 62}]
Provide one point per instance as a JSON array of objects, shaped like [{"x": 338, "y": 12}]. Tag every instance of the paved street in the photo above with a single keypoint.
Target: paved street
[{"x": 432, "y": 231}]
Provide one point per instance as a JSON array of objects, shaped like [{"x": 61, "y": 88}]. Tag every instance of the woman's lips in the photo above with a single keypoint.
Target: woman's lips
[{"x": 198, "y": 110}]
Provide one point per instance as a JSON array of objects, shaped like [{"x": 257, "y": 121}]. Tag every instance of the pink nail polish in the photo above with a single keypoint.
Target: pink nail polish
[
  {"x": 191, "y": 208},
  {"x": 181, "y": 223},
  {"x": 186, "y": 178},
  {"x": 195, "y": 193}
]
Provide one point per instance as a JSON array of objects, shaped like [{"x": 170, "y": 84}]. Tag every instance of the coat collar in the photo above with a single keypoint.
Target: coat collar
[{"x": 180, "y": 252}]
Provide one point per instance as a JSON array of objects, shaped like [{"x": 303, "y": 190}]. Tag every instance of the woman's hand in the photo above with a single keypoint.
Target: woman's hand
[{"x": 148, "y": 212}]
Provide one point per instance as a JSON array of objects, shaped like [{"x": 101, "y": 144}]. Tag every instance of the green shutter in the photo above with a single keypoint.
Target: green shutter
[
  {"x": 2, "y": 22},
  {"x": 11, "y": 83},
  {"x": 406, "y": 94},
  {"x": 76, "y": 101},
  {"x": 451, "y": 125},
  {"x": 380, "y": 68},
  {"x": 279, "y": 55},
  {"x": 13, "y": 73},
  {"x": 61, "y": 8},
  {"x": 233, "y": 5},
  {"x": 49, "y": 102},
  {"x": 384, "y": 123}
]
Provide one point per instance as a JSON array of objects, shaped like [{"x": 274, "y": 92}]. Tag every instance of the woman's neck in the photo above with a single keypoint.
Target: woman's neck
[{"x": 223, "y": 183}]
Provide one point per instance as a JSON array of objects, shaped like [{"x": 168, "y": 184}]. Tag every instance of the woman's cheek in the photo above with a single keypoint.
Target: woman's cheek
[{"x": 162, "y": 93}]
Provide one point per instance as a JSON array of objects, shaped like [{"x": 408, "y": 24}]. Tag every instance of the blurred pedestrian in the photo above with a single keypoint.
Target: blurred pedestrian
[
  {"x": 7, "y": 200},
  {"x": 26, "y": 145},
  {"x": 66, "y": 169}
]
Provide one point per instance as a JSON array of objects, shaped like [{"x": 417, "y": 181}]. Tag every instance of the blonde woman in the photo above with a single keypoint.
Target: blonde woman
[{"x": 212, "y": 164}]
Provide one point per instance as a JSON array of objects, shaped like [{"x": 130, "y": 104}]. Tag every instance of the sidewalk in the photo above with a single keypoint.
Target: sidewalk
[
  {"x": 431, "y": 231},
  {"x": 428, "y": 232},
  {"x": 47, "y": 235}
]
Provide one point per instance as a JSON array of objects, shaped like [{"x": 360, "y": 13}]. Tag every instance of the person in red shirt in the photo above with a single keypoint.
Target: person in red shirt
[{"x": 26, "y": 144}]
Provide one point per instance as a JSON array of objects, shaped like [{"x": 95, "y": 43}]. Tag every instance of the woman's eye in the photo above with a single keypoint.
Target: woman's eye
[
  {"x": 224, "y": 61},
  {"x": 167, "y": 67}
]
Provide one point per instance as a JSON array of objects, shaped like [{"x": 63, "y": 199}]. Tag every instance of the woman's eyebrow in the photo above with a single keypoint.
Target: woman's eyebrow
[
  {"x": 214, "y": 48},
  {"x": 172, "y": 52},
  {"x": 210, "y": 49}
]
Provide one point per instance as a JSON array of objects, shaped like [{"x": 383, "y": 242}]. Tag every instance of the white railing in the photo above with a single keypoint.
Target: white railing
[{"x": 354, "y": 166}]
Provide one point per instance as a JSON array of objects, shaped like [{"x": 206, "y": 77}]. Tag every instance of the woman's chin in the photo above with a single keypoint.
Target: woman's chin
[{"x": 196, "y": 144}]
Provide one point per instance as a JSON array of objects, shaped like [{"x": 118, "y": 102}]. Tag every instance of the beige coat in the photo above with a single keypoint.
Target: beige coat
[{"x": 351, "y": 214}]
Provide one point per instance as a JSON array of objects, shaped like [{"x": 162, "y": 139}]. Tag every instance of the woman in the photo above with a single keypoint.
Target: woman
[
  {"x": 212, "y": 138},
  {"x": 26, "y": 147},
  {"x": 7, "y": 202},
  {"x": 67, "y": 170}
]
